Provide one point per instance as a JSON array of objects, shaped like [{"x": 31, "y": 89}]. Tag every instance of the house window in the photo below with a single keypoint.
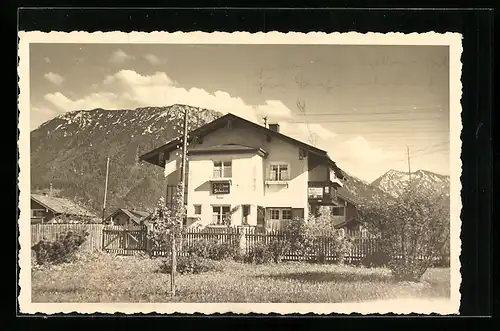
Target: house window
[
  {"x": 223, "y": 169},
  {"x": 280, "y": 214},
  {"x": 218, "y": 214},
  {"x": 197, "y": 209},
  {"x": 279, "y": 172},
  {"x": 37, "y": 213},
  {"x": 338, "y": 211},
  {"x": 274, "y": 214}
]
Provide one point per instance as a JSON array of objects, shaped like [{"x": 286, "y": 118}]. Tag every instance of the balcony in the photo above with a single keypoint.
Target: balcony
[
  {"x": 322, "y": 193},
  {"x": 278, "y": 177}
]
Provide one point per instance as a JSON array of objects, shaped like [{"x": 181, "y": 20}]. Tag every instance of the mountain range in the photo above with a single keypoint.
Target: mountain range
[
  {"x": 71, "y": 150},
  {"x": 394, "y": 182}
]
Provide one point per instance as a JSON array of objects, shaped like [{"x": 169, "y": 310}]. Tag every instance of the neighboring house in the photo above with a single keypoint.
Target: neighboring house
[
  {"x": 49, "y": 209},
  {"x": 123, "y": 216},
  {"x": 248, "y": 174}
]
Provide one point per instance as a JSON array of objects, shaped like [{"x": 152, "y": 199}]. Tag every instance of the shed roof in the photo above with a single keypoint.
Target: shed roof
[
  {"x": 135, "y": 215},
  {"x": 61, "y": 205}
]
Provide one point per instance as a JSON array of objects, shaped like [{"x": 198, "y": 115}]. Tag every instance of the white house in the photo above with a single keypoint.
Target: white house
[{"x": 251, "y": 174}]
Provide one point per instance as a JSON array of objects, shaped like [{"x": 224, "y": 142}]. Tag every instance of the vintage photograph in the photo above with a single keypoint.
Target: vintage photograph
[{"x": 196, "y": 172}]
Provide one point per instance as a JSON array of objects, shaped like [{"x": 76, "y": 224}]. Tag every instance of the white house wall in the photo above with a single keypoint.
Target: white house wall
[
  {"x": 249, "y": 174},
  {"x": 244, "y": 186}
]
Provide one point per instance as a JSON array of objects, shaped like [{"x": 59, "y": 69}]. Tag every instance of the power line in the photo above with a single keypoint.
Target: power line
[
  {"x": 365, "y": 120},
  {"x": 398, "y": 112},
  {"x": 420, "y": 155},
  {"x": 430, "y": 147}
]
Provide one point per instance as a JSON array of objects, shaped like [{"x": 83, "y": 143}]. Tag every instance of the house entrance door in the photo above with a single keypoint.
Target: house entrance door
[{"x": 278, "y": 218}]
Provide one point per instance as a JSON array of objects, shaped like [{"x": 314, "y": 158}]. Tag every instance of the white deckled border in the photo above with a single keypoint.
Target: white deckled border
[{"x": 453, "y": 40}]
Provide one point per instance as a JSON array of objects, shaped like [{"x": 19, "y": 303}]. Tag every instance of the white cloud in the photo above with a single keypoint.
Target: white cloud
[
  {"x": 129, "y": 89},
  {"x": 154, "y": 60},
  {"x": 54, "y": 78},
  {"x": 120, "y": 56},
  {"x": 130, "y": 78},
  {"x": 105, "y": 100},
  {"x": 357, "y": 156}
]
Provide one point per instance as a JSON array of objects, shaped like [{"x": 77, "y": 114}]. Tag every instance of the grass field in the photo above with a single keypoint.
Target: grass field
[{"x": 105, "y": 278}]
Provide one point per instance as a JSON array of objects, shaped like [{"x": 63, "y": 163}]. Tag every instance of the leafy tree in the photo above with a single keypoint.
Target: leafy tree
[
  {"x": 166, "y": 229},
  {"x": 304, "y": 236},
  {"x": 413, "y": 230}
]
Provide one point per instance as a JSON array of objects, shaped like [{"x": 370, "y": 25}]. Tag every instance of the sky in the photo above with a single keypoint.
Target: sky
[{"x": 367, "y": 106}]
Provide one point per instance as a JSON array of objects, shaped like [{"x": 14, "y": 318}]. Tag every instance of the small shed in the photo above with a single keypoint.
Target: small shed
[
  {"x": 127, "y": 217},
  {"x": 46, "y": 208}
]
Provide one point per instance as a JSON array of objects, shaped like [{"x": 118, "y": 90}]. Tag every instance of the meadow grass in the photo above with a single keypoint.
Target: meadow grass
[{"x": 105, "y": 278}]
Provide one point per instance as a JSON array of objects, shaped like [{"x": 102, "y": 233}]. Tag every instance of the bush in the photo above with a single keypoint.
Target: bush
[
  {"x": 259, "y": 253},
  {"x": 60, "y": 250},
  {"x": 267, "y": 252},
  {"x": 342, "y": 248},
  {"x": 191, "y": 265},
  {"x": 413, "y": 228},
  {"x": 212, "y": 249},
  {"x": 227, "y": 251},
  {"x": 204, "y": 248},
  {"x": 278, "y": 249},
  {"x": 304, "y": 238},
  {"x": 300, "y": 238},
  {"x": 376, "y": 260}
]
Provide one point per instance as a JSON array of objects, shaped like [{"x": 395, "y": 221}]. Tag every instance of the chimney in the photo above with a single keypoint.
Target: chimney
[
  {"x": 50, "y": 189},
  {"x": 274, "y": 127}
]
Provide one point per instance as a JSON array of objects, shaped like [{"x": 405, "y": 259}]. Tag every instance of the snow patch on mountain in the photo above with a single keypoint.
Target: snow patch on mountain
[{"x": 394, "y": 182}]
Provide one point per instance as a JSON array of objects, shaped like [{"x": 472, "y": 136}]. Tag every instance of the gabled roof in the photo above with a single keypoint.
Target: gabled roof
[
  {"x": 346, "y": 223},
  {"x": 135, "y": 215},
  {"x": 61, "y": 205},
  {"x": 226, "y": 148},
  {"x": 152, "y": 156}
]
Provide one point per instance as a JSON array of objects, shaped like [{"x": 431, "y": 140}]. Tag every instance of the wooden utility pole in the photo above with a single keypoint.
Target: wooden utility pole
[
  {"x": 409, "y": 167},
  {"x": 181, "y": 215},
  {"x": 105, "y": 189},
  {"x": 403, "y": 227}
]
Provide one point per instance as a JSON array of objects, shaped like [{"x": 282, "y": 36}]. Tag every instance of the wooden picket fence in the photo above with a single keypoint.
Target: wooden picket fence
[
  {"x": 134, "y": 240},
  {"x": 50, "y": 231}
]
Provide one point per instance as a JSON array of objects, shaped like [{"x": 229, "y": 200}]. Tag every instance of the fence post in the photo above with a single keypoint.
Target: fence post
[
  {"x": 102, "y": 238},
  {"x": 242, "y": 240}
]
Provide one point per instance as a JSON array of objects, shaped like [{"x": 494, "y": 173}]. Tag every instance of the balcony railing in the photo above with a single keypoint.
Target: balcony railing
[{"x": 281, "y": 176}]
